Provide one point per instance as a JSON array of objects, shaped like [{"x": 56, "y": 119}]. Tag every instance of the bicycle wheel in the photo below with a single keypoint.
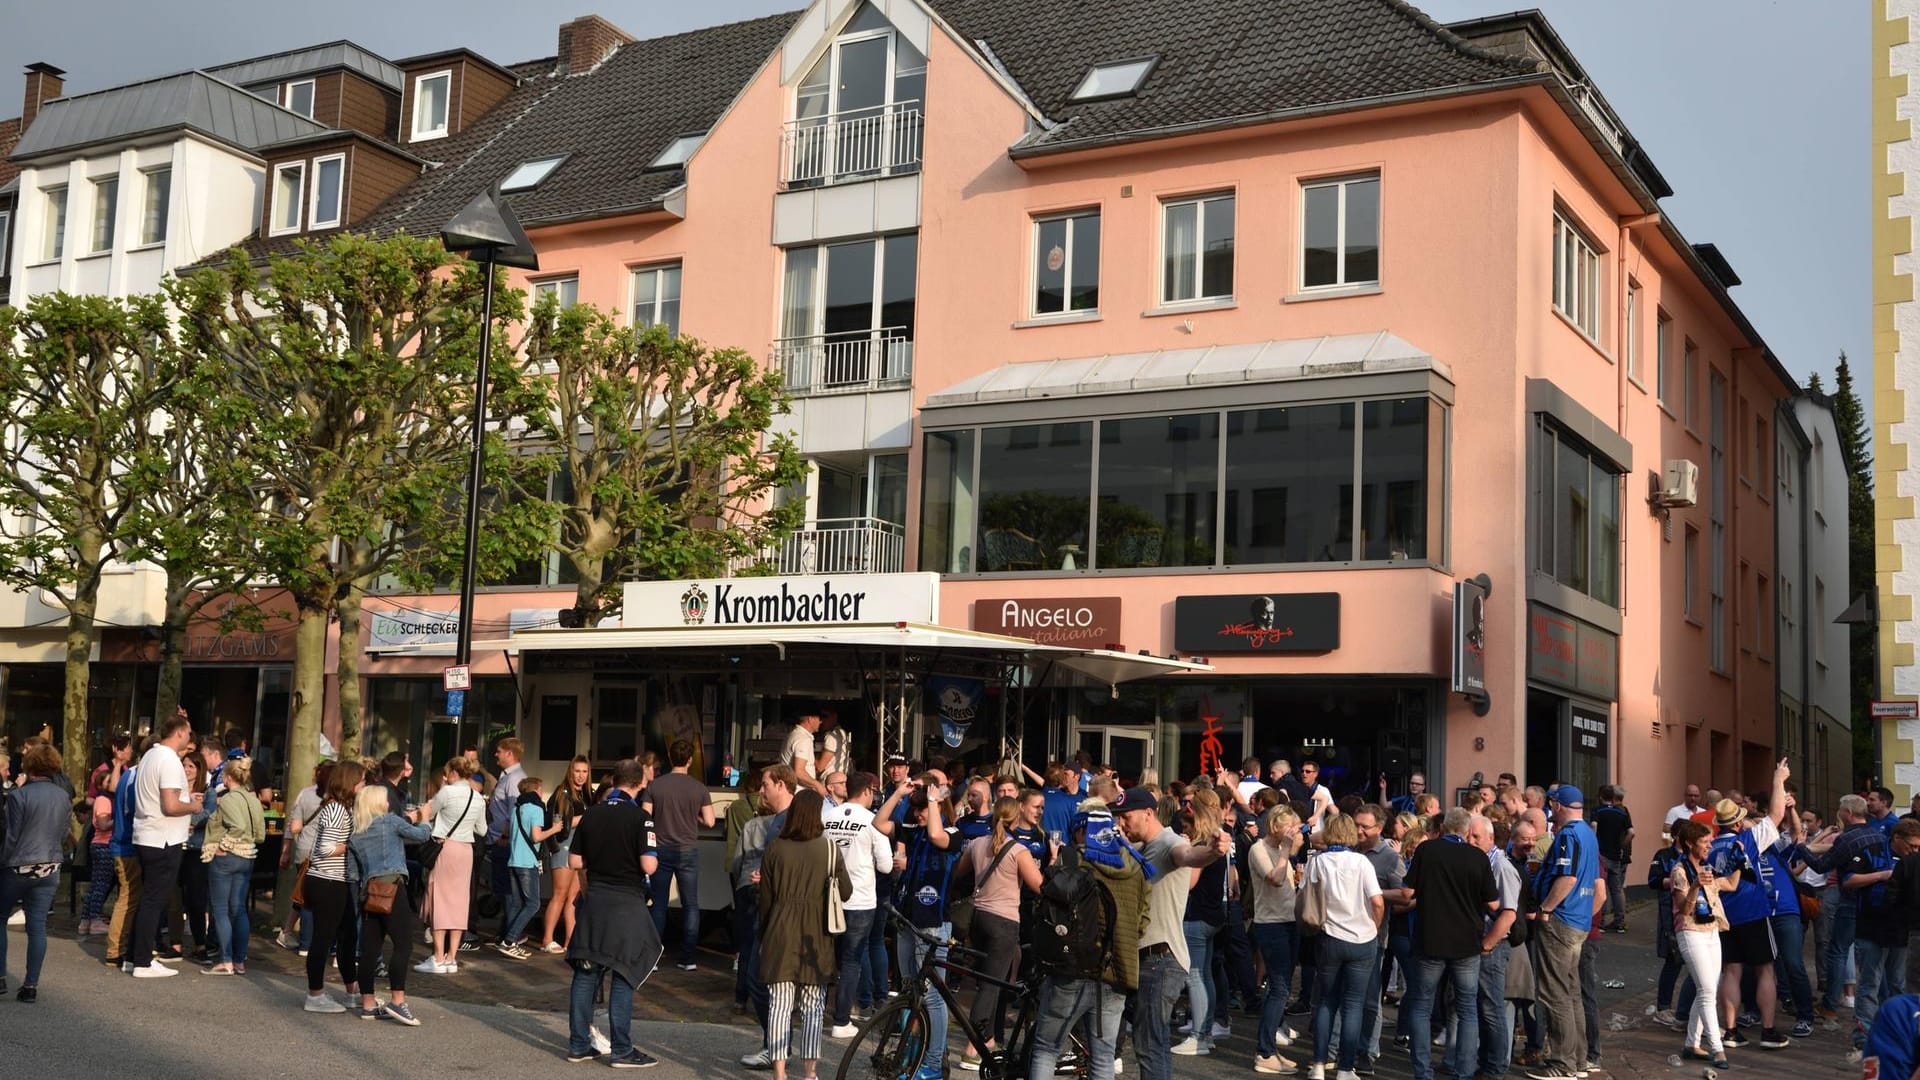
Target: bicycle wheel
[{"x": 889, "y": 1046}]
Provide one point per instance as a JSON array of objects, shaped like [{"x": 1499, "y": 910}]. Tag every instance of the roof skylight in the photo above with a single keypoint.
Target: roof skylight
[
  {"x": 530, "y": 173},
  {"x": 1114, "y": 80},
  {"x": 678, "y": 151}
]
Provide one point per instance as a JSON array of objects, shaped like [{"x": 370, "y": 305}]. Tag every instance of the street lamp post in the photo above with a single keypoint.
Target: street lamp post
[{"x": 484, "y": 229}]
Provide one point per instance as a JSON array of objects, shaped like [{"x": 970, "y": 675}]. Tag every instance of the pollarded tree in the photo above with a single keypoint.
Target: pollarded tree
[
  {"x": 353, "y": 363},
  {"x": 663, "y": 448},
  {"x": 83, "y": 383}
]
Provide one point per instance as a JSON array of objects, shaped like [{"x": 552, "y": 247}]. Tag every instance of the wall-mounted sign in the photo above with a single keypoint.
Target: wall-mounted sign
[
  {"x": 799, "y": 600},
  {"x": 1572, "y": 654},
  {"x": 1590, "y": 731},
  {"x": 1087, "y": 622},
  {"x": 1257, "y": 623},
  {"x": 395, "y": 627},
  {"x": 1896, "y": 710},
  {"x": 1470, "y": 638}
]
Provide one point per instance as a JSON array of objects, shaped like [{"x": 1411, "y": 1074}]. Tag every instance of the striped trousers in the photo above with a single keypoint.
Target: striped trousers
[{"x": 812, "y": 1002}]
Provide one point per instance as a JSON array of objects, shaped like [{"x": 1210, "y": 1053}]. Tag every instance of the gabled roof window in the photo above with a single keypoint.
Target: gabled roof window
[
  {"x": 1120, "y": 79},
  {"x": 530, "y": 173},
  {"x": 678, "y": 151}
]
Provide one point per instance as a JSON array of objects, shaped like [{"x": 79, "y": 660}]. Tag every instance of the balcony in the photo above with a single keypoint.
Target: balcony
[
  {"x": 849, "y": 362},
  {"x": 838, "y": 546},
  {"x": 861, "y": 144}
]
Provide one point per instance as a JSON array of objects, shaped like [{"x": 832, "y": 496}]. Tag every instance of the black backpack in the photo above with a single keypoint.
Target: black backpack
[
  {"x": 1074, "y": 917},
  {"x": 1521, "y": 932}
]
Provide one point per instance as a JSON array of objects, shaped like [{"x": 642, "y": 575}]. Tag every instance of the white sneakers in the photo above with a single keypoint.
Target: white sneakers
[
  {"x": 155, "y": 970},
  {"x": 844, "y": 1031},
  {"x": 429, "y": 966},
  {"x": 18, "y": 918},
  {"x": 759, "y": 1059},
  {"x": 323, "y": 1003},
  {"x": 600, "y": 1043},
  {"x": 1192, "y": 1047}
]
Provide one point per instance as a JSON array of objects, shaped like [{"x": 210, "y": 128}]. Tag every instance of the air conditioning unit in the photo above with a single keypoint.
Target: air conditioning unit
[{"x": 1680, "y": 483}]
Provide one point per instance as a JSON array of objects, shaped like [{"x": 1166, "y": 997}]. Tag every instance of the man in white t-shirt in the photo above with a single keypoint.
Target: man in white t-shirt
[
  {"x": 868, "y": 855},
  {"x": 1163, "y": 944},
  {"x": 162, "y": 804},
  {"x": 1689, "y": 806},
  {"x": 799, "y": 753}
]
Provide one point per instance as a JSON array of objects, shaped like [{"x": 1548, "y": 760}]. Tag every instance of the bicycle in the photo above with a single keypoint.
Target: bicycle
[{"x": 896, "y": 1036}]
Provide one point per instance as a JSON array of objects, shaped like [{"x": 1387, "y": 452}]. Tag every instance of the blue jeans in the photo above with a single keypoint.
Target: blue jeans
[
  {"x": 1839, "y": 949},
  {"x": 1200, "y": 996},
  {"x": 678, "y": 865},
  {"x": 227, "y": 879},
  {"x": 36, "y": 896},
  {"x": 873, "y": 988},
  {"x": 1161, "y": 978},
  {"x": 746, "y": 907},
  {"x": 1423, "y": 985},
  {"x": 852, "y": 949},
  {"x": 1277, "y": 942},
  {"x": 1883, "y": 974},
  {"x": 1341, "y": 975},
  {"x": 1790, "y": 967},
  {"x": 1496, "y": 1026},
  {"x": 586, "y": 979},
  {"x": 1062, "y": 1004},
  {"x": 913, "y": 953},
  {"x": 523, "y": 902}
]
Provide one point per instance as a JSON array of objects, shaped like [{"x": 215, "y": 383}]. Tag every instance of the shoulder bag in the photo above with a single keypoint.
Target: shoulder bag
[
  {"x": 430, "y": 853},
  {"x": 960, "y": 907},
  {"x": 836, "y": 906},
  {"x": 1310, "y": 907}
]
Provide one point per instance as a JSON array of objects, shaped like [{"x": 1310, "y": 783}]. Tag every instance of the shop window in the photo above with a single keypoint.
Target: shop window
[
  {"x": 1290, "y": 484},
  {"x": 1034, "y": 485},
  {"x": 1399, "y": 466},
  {"x": 1158, "y": 490},
  {"x": 1205, "y": 728},
  {"x": 1578, "y": 514}
]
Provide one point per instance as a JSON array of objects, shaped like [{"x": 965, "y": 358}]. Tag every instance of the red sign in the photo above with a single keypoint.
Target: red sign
[{"x": 1083, "y": 622}]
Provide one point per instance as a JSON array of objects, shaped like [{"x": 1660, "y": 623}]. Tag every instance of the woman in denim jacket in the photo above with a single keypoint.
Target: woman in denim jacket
[
  {"x": 377, "y": 851},
  {"x": 34, "y": 842}
]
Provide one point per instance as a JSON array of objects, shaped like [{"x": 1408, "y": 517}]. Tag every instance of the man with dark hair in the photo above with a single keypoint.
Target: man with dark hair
[
  {"x": 681, "y": 806},
  {"x": 1613, "y": 826},
  {"x": 613, "y": 844},
  {"x": 1452, "y": 882},
  {"x": 1880, "y": 813},
  {"x": 162, "y": 803},
  {"x": 393, "y": 768},
  {"x": 506, "y": 791},
  {"x": 868, "y": 857},
  {"x": 801, "y": 754}
]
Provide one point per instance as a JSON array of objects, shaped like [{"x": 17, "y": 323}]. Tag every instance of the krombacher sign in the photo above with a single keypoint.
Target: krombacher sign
[{"x": 800, "y": 600}]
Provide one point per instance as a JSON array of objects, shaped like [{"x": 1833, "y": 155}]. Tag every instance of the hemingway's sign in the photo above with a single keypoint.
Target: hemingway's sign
[
  {"x": 1257, "y": 622},
  {"x": 797, "y": 600},
  {"x": 1086, "y": 622}
]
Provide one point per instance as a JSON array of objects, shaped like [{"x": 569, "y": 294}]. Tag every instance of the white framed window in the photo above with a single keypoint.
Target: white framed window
[
  {"x": 106, "y": 204},
  {"x": 1690, "y": 385},
  {"x": 1576, "y": 277},
  {"x": 289, "y": 189},
  {"x": 1690, "y": 573},
  {"x": 329, "y": 191},
  {"x": 1631, "y": 347},
  {"x": 6, "y": 221},
  {"x": 1066, "y": 263},
  {"x": 677, "y": 152},
  {"x": 53, "y": 224},
  {"x": 1120, "y": 79},
  {"x": 154, "y": 204},
  {"x": 432, "y": 102},
  {"x": 1662, "y": 336},
  {"x": 565, "y": 290},
  {"x": 656, "y": 297},
  {"x": 1340, "y": 232},
  {"x": 529, "y": 174},
  {"x": 297, "y": 97},
  {"x": 1196, "y": 249}
]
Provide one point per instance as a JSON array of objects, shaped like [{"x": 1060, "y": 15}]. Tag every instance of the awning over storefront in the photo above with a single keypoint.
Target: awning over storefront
[{"x": 1101, "y": 665}]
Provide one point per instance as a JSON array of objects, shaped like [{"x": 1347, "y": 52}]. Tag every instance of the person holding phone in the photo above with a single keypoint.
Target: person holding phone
[{"x": 1698, "y": 920}]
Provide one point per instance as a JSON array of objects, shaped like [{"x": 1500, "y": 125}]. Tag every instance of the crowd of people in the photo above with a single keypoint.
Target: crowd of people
[{"x": 1148, "y": 917}]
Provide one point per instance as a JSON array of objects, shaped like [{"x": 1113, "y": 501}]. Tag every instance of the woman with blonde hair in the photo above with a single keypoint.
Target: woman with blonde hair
[
  {"x": 1274, "y": 879},
  {"x": 378, "y": 857},
  {"x": 459, "y": 818},
  {"x": 1349, "y": 893},
  {"x": 1001, "y": 866},
  {"x": 234, "y": 834},
  {"x": 569, "y": 801},
  {"x": 1205, "y": 916}
]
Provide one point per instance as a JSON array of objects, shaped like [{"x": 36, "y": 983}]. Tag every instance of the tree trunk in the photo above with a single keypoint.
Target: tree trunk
[
  {"x": 348, "y": 671},
  {"x": 303, "y": 733},
  {"x": 588, "y": 609},
  {"x": 75, "y": 741},
  {"x": 173, "y": 650}
]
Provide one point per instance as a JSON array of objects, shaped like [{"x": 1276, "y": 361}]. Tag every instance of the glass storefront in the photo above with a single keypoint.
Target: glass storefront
[{"x": 410, "y": 714}]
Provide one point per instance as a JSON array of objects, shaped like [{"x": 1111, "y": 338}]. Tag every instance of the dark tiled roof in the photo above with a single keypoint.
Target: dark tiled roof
[
  {"x": 259, "y": 249},
  {"x": 9, "y": 138},
  {"x": 1220, "y": 60},
  {"x": 536, "y": 68},
  {"x": 609, "y": 122}
]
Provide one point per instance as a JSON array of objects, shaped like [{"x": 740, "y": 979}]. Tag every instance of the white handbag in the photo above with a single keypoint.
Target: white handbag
[{"x": 836, "y": 907}]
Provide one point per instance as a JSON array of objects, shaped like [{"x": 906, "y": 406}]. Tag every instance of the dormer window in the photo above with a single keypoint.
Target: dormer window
[
  {"x": 857, "y": 111},
  {"x": 530, "y": 173},
  {"x": 1120, "y": 79},
  {"x": 677, "y": 152},
  {"x": 329, "y": 183},
  {"x": 297, "y": 97},
  {"x": 289, "y": 185},
  {"x": 432, "y": 97}
]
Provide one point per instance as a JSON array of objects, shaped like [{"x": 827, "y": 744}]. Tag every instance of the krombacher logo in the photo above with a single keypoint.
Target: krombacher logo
[{"x": 734, "y": 605}]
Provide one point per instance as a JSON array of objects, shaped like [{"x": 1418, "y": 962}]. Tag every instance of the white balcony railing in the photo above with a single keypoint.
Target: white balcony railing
[
  {"x": 846, "y": 363},
  {"x": 838, "y": 546},
  {"x": 861, "y": 144}
]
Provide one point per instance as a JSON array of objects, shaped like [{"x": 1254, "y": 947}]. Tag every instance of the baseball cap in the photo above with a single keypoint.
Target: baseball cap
[
  {"x": 1567, "y": 795},
  {"x": 896, "y": 759},
  {"x": 1135, "y": 799}
]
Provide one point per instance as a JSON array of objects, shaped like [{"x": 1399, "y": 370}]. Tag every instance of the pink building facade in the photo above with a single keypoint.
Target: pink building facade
[{"x": 1252, "y": 380}]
